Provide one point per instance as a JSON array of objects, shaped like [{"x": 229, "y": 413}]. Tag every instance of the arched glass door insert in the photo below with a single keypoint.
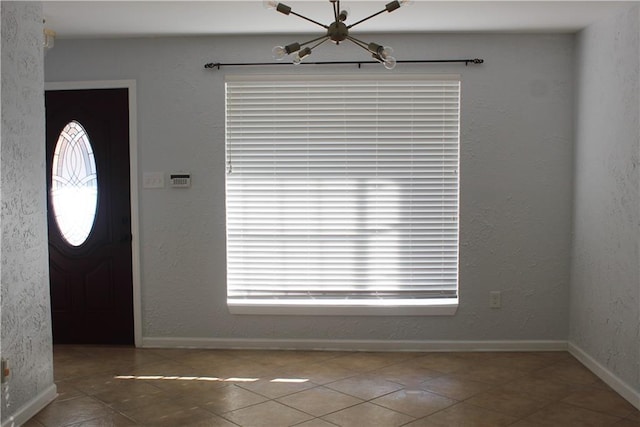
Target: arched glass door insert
[{"x": 74, "y": 184}]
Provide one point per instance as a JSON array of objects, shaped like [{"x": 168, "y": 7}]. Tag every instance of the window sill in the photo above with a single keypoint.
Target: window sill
[{"x": 431, "y": 307}]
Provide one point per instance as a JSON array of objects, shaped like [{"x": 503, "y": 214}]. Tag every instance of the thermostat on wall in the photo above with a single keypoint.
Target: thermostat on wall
[{"x": 180, "y": 180}]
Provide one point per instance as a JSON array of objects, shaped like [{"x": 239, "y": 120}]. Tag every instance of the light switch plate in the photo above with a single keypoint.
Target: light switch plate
[{"x": 153, "y": 180}]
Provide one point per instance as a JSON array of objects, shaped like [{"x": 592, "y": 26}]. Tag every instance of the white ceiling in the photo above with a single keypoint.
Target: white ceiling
[{"x": 82, "y": 19}]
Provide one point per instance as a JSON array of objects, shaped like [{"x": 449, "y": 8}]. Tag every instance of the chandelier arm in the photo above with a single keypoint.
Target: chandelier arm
[
  {"x": 309, "y": 19},
  {"x": 366, "y": 19},
  {"x": 358, "y": 43},
  {"x": 325, "y": 37},
  {"x": 320, "y": 42}
]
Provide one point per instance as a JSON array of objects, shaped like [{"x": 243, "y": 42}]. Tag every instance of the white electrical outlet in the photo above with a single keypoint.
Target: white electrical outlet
[{"x": 495, "y": 299}]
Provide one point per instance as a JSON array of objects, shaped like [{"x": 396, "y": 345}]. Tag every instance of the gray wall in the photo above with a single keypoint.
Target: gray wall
[
  {"x": 516, "y": 181},
  {"x": 605, "y": 282},
  {"x": 26, "y": 318}
]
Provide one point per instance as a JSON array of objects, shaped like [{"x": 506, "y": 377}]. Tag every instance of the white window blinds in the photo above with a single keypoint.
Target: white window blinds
[{"x": 342, "y": 191}]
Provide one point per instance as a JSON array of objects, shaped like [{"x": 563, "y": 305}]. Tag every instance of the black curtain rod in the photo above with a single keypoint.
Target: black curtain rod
[{"x": 359, "y": 63}]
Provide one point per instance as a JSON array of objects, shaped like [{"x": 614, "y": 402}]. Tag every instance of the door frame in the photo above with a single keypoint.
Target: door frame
[{"x": 133, "y": 172}]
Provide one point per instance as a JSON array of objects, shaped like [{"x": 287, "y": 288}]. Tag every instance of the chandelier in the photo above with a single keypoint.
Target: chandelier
[{"x": 337, "y": 32}]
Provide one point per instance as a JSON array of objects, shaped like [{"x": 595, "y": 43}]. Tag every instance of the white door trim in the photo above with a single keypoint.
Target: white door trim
[{"x": 133, "y": 171}]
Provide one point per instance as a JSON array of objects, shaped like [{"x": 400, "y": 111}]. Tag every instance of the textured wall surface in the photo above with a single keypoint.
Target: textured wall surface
[
  {"x": 516, "y": 181},
  {"x": 26, "y": 318},
  {"x": 605, "y": 281}
]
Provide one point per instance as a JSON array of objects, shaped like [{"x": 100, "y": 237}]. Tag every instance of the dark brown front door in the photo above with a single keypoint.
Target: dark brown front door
[{"x": 89, "y": 221}]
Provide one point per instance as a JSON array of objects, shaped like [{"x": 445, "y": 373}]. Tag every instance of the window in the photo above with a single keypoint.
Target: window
[
  {"x": 342, "y": 194},
  {"x": 74, "y": 184}
]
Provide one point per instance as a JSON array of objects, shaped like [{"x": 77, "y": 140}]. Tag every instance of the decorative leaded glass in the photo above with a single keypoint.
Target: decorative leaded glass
[{"x": 74, "y": 184}]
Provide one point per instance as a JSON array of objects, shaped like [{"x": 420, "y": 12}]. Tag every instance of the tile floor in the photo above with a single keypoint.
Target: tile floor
[{"x": 115, "y": 386}]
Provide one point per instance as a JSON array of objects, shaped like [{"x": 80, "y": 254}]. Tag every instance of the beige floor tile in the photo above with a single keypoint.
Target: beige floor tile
[
  {"x": 319, "y": 373},
  {"x": 627, "y": 423},
  {"x": 237, "y": 368},
  {"x": 196, "y": 389},
  {"x": 277, "y": 387},
  {"x": 455, "y": 387},
  {"x": 442, "y": 362},
  {"x": 319, "y": 401},
  {"x": 599, "y": 400},
  {"x": 474, "y": 356},
  {"x": 507, "y": 402},
  {"x": 94, "y": 384},
  {"x": 368, "y": 414},
  {"x": 290, "y": 358},
  {"x": 66, "y": 391},
  {"x": 557, "y": 356},
  {"x": 72, "y": 411},
  {"x": 92, "y": 365},
  {"x": 233, "y": 353},
  {"x": 408, "y": 376},
  {"x": 33, "y": 423},
  {"x": 364, "y": 386},
  {"x": 166, "y": 368},
  {"x": 526, "y": 423},
  {"x": 195, "y": 417},
  {"x": 601, "y": 385},
  {"x": 120, "y": 355},
  {"x": 122, "y": 396},
  {"x": 416, "y": 403},
  {"x": 465, "y": 415},
  {"x": 365, "y": 361},
  {"x": 493, "y": 373},
  {"x": 65, "y": 351},
  {"x": 317, "y": 422},
  {"x": 540, "y": 388},
  {"x": 112, "y": 420},
  {"x": 563, "y": 414},
  {"x": 158, "y": 410},
  {"x": 523, "y": 361},
  {"x": 635, "y": 415},
  {"x": 570, "y": 372},
  {"x": 81, "y": 368},
  {"x": 268, "y": 414},
  {"x": 231, "y": 398},
  {"x": 204, "y": 358},
  {"x": 175, "y": 353}
]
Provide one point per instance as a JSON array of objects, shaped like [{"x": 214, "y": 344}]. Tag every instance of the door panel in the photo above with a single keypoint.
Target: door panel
[{"x": 91, "y": 283}]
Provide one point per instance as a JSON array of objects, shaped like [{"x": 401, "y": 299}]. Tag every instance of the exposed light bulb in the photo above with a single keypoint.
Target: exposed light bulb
[
  {"x": 297, "y": 60},
  {"x": 49, "y": 39},
  {"x": 406, "y": 2},
  {"x": 270, "y": 4},
  {"x": 279, "y": 53},
  {"x": 385, "y": 52},
  {"x": 389, "y": 63}
]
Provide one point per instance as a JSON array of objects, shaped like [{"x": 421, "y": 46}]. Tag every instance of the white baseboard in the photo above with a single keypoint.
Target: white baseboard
[
  {"x": 611, "y": 379},
  {"x": 31, "y": 408},
  {"x": 352, "y": 345}
]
